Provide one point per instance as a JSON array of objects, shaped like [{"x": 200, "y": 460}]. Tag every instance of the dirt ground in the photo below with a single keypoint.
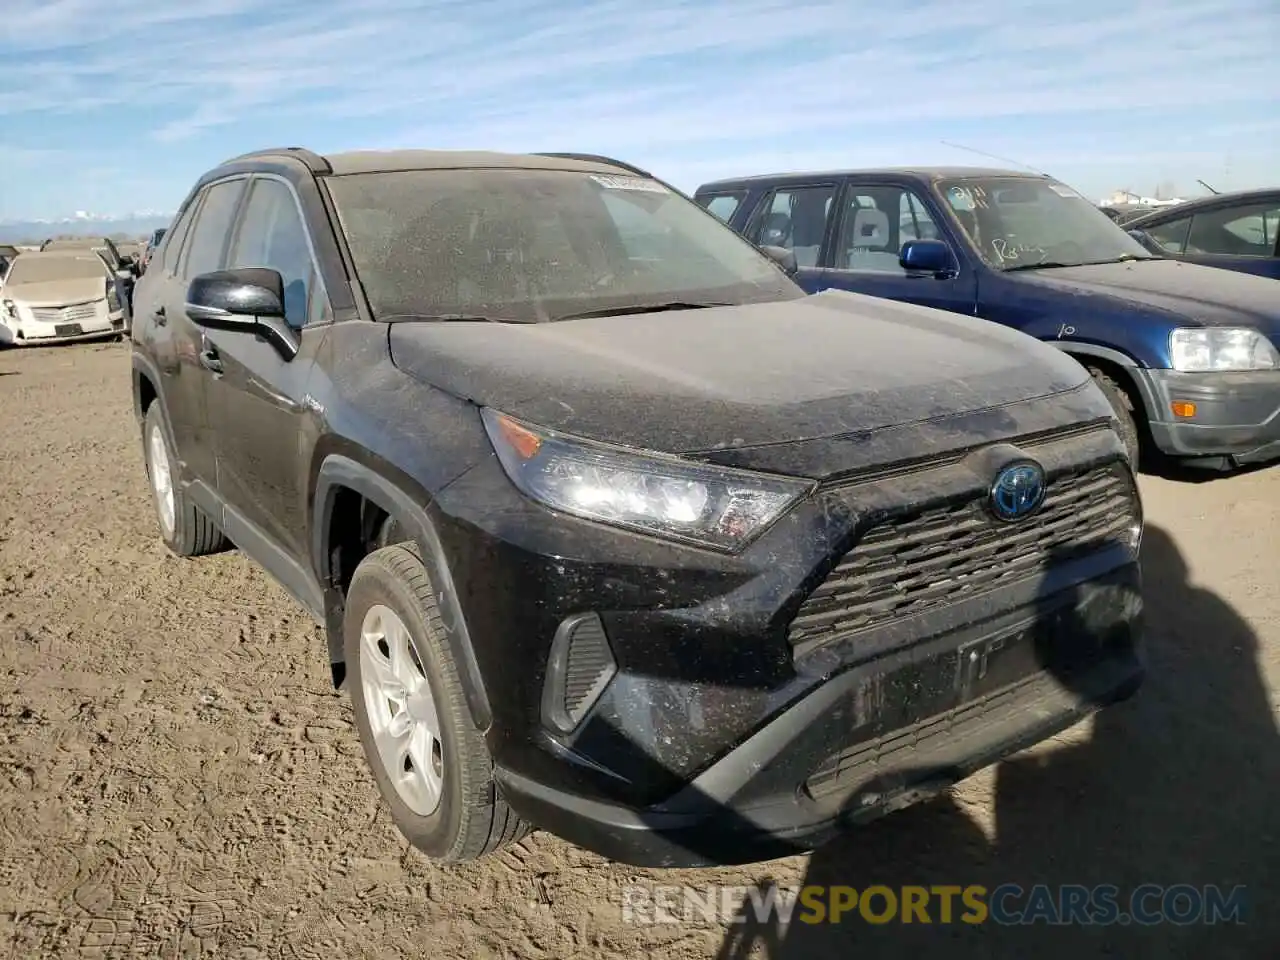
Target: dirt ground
[{"x": 178, "y": 778}]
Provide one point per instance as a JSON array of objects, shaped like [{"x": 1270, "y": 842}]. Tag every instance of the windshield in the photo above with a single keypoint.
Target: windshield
[
  {"x": 535, "y": 245},
  {"x": 1023, "y": 222},
  {"x": 33, "y": 268}
]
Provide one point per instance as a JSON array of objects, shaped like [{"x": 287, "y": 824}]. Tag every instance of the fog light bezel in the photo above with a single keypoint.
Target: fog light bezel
[{"x": 557, "y": 715}]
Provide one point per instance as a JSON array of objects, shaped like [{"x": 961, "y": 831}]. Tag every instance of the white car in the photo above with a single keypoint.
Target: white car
[{"x": 57, "y": 296}]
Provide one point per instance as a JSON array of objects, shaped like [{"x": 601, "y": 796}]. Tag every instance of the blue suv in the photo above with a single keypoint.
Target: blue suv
[{"x": 1186, "y": 354}]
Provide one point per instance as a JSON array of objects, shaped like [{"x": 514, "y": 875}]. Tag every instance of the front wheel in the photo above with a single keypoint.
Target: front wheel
[
  {"x": 1126, "y": 417},
  {"x": 430, "y": 762},
  {"x": 184, "y": 527}
]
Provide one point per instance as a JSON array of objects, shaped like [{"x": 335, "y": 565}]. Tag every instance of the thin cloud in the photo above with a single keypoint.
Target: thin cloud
[
  {"x": 377, "y": 56},
  {"x": 699, "y": 84}
]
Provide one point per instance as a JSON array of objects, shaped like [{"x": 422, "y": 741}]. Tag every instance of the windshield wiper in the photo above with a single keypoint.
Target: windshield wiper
[
  {"x": 1051, "y": 264},
  {"x": 644, "y": 308},
  {"x": 1123, "y": 258},
  {"x": 1046, "y": 265},
  {"x": 446, "y": 317}
]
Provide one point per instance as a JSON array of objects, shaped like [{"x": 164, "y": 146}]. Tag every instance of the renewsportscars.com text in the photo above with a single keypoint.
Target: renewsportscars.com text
[{"x": 1009, "y": 904}]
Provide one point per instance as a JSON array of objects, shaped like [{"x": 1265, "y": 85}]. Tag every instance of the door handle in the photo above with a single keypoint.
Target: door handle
[
  {"x": 159, "y": 317},
  {"x": 210, "y": 360}
]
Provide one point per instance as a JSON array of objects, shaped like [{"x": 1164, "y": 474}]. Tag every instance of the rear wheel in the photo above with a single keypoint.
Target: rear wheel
[
  {"x": 430, "y": 762},
  {"x": 184, "y": 527},
  {"x": 1126, "y": 416}
]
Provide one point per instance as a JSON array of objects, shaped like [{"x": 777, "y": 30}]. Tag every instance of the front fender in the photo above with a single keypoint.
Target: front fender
[
  {"x": 143, "y": 366},
  {"x": 1131, "y": 367},
  {"x": 337, "y": 471}
]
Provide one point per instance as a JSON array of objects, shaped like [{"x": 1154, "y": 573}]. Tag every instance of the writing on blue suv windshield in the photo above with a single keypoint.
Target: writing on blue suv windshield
[{"x": 1021, "y": 223}]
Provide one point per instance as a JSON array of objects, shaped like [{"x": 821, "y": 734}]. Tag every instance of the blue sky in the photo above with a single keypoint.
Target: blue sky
[{"x": 117, "y": 108}]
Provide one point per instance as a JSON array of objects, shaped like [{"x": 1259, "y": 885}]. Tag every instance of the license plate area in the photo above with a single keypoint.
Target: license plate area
[
  {"x": 1064, "y": 639},
  {"x": 987, "y": 664},
  {"x": 933, "y": 683},
  {"x": 68, "y": 329},
  {"x": 935, "y": 700}
]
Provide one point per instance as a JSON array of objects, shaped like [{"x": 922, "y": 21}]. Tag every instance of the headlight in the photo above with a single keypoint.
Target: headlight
[
  {"x": 113, "y": 299},
  {"x": 1201, "y": 349},
  {"x": 10, "y": 309},
  {"x": 664, "y": 496}
]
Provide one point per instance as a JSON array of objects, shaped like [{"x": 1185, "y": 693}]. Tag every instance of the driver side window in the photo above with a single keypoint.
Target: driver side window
[
  {"x": 875, "y": 223},
  {"x": 271, "y": 234},
  {"x": 1172, "y": 236}
]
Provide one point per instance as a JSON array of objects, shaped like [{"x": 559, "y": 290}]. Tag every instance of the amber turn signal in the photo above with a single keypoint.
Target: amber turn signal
[{"x": 523, "y": 441}]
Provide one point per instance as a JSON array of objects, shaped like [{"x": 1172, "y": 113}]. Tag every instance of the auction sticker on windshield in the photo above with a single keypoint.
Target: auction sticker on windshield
[
  {"x": 1063, "y": 190},
  {"x": 628, "y": 183}
]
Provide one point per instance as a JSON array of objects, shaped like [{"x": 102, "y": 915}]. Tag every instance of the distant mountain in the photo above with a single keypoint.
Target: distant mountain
[{"x": 82, "y": 225}]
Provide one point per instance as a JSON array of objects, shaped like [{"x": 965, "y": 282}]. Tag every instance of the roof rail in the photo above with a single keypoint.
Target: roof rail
[
  {"x": 598, "y": 158},
  {"x": 315, "y": 163}
]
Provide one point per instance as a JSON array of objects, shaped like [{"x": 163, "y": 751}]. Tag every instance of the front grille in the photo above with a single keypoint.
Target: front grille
[
  {"x": 939, "y": 555},
  {"x": 76, "y": 314}
]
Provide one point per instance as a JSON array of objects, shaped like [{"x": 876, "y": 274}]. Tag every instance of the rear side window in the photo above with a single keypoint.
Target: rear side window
[
  {"x": 796, "y": 218},
  {"x": 213, "y": 223},
  {"x": 723, "y": 205},
  {"x": 172, "y": 240},
  {"x": 1245, "y": 231}
]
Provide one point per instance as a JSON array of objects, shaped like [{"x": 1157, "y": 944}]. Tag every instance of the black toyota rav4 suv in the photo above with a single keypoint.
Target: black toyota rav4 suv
[{"x": 613, "y": 530}]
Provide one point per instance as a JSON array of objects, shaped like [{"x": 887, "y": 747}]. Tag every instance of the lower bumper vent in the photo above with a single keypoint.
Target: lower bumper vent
[{"x": 578, "y": 671}]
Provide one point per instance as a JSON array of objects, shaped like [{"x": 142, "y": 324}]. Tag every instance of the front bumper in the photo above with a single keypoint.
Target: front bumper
[
  {"x": 704, "y": 690},
  {"x": 1237, "y": 415},
  {"x": 33, "y": 332},
  {"x": 875, "y": 738}
]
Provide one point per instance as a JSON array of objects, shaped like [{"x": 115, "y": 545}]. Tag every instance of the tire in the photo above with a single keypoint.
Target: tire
[
  {"x": 191, "y": 533},
  {"x": 389, "y": 534},
  {"x": 469, "y": 819},
  {"x": 1126, "y": 420}
]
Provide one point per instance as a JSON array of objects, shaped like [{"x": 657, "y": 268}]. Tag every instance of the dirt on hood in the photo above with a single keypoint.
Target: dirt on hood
[{"x": 58, "y": 293}]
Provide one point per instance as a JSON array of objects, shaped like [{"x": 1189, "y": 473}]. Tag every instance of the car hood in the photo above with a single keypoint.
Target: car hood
[
  {"x": 58, "y": 293},
  {"x": 1209, "y": 295},
  {"x": 718, "y": 378}
]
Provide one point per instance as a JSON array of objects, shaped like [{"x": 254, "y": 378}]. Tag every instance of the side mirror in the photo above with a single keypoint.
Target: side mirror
[
  {"x": 248, "y": 300},
  {"x": 783, "y": 257},
  {"x": 926, "y": 256}
]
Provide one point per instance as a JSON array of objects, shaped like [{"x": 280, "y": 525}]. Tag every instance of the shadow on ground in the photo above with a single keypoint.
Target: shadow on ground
[
  {"x": 1180, "y": 785},
  {"x": 1181, "y": 471}
]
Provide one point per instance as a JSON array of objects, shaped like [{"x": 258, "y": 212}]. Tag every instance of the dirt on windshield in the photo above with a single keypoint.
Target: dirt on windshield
[{"x": 178, "y": 778}]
